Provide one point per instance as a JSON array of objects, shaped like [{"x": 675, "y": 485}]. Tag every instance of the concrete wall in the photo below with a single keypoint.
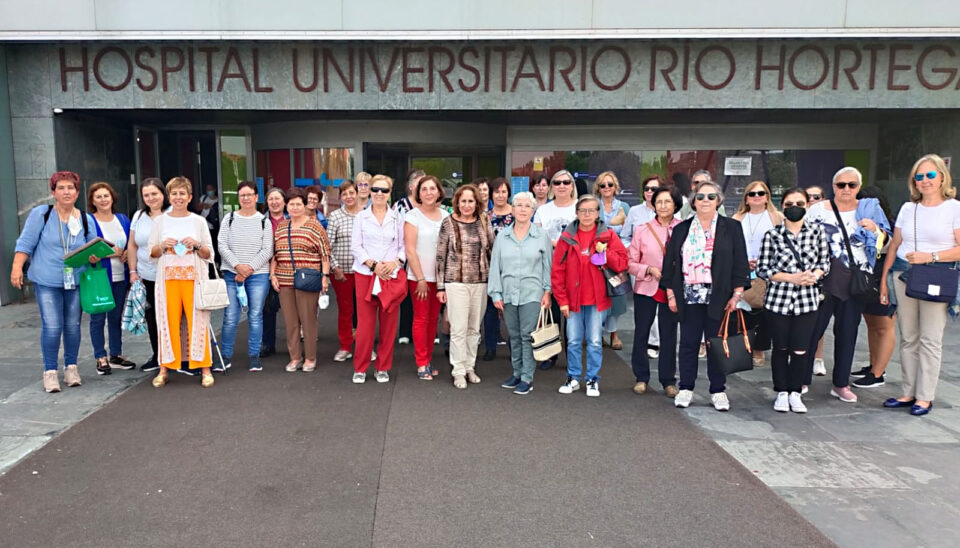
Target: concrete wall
[
  {"x": 465, "y": 18},
  {"x": 9, "y": 227},
  {"x": 99, "y": 150}
]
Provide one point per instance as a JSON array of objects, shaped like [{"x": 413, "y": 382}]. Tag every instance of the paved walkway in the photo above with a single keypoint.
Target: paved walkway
[{"x": 861, "y": 474}]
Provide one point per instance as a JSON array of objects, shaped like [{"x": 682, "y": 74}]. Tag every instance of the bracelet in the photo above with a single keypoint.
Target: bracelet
[
  {"x": 441, "y": 289},
  {"x": 421, "y": 280}
]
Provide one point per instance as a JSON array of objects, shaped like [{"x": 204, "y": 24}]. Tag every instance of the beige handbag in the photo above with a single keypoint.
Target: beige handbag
[
  {"x": 545, "y": 339},
  {"x": 210, "y": 294}
]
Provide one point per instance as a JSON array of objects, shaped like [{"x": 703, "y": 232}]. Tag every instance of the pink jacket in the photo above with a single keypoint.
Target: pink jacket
[{"x": 645, "y": 252}]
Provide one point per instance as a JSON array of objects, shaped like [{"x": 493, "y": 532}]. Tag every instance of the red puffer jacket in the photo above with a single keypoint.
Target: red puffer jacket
[{"x": 567, "y": 279}]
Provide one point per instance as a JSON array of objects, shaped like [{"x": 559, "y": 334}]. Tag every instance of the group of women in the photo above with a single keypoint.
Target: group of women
[{"x": 490, "y": 257}]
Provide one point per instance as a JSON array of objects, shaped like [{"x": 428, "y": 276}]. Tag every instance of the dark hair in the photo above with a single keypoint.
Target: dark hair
[
  {"x": 876, "y": 192},
  {"x": 347, "y": 184},
  {"x": 436, "y": 182},
  {"x": 535, "y": 180},
  {"x": 495, "y": 185},
  {"x": 247, "y": 184},
  {"x": 476, "y": 196},
  {"x": 91, "y": 207},
  {"x": 682, "y": 182},
  {"x": 64, "y": 176},
  {"x": 794, "y": 190},
  {"x": 480, "y": 181},
  {"x": 674, "y": 195},
  {"x": 295, "y": 192},
  {"x": 155, "y": 182},
  {"x": 313, "y": 189},
  {"x": 649, "y": 178}
]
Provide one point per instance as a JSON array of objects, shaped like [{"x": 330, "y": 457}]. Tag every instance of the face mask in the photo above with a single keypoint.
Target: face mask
[
  {"x": 794, "y": 213},
  {"x": 242, "y": 296},
  {"x": 211, "y": 193}
]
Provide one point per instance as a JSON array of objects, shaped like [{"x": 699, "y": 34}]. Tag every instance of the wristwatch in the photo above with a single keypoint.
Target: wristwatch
[
  {"x": 936, "y": 257},
  {"x": 373, "y": 266}
]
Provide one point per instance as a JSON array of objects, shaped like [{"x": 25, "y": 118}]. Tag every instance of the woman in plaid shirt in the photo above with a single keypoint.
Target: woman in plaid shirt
[{"x": 794, "y": 257}]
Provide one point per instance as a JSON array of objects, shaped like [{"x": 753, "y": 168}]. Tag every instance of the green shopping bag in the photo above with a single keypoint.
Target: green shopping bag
[{"x": 96, "y": 294}]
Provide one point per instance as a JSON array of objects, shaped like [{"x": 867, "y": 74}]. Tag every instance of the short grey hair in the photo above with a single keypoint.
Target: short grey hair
[
  {"x": 525, "y": 196},
  {"x": 700, "y": 186},
  {"x": 848, "y": 169},
  {"x": 587, "y": 198},
  {"x": 700, "y": 172}
]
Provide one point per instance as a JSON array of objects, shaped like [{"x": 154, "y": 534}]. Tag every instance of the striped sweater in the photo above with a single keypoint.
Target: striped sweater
[
  {"x": 310, "y": 246},
  {"x": 245, "y": 240}
]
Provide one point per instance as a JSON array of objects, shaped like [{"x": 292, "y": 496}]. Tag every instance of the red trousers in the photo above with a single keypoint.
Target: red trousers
[
  {"x": 345, "y": 294},
  {"x": 368, "y": 312},
  {"x": 425, "y": 314}
]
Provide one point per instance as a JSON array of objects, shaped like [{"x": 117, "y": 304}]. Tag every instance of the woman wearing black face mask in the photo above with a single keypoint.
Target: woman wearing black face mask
[{"x": 794, "y": 257}]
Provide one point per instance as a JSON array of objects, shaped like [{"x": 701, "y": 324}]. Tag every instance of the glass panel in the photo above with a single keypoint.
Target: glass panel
[
  {"x": 233, "y": 166},
  {"x": 146, "y": 145},
  {"x": 449, "y": 169}
]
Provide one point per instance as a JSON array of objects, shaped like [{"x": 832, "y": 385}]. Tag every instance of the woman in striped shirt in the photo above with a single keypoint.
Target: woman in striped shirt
[{"x": 300, "y": 242}]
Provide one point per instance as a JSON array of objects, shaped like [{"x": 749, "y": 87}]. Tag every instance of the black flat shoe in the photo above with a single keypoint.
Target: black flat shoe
[
  {"x": 122, "y": 363},
  {"x": 489, "y": 356},
  {"x": 266, "y": 352},
  {"x": 918, "y": 411},
  {"x": 893, "y": 403}
]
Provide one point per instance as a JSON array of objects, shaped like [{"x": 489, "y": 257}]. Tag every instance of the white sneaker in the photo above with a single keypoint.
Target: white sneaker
[
  {"x": 805, "y": 389},
  {"x": 819, "y": 369},
  {"x": 781, "y": 404},
  {"x": 796, "y": 403},
  {"x": 373, "y": 356},
  {"x": 404, "y": 340},
  {"x": 382, "y": 376},
  {"x": 653, "y": 353},
  {"x": 683, "y": 399},
  {"x": 359, "y": 378},
  {"x": 342, "y": 355},
  {"x": 593, "y": 389},
  {"x": 569, "y": 387},
  {"x": 720, "y": 401}
]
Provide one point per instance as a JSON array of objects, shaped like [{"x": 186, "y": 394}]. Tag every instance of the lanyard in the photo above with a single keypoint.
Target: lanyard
[{"x": 65, "y": 241}]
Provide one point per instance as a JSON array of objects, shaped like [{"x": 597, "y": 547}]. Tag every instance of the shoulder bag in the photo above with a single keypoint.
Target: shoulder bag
[
  {"x": 618, "y": 283},
  {"x": 731, "y": 353},
  {"x": 844, "y": 282},
  {"x": 545, "y": 339},
  {"x": 210, "y": 293},
  {"x": 304, "y": 279},
  {"x": 930, "y": 282}
]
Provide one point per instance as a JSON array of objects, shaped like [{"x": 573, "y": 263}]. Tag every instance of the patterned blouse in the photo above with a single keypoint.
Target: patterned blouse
[
  {"x": 463, "y": 251},
  {"x": 310, "y": 246},
  {"x": 499, "y": 222},
  {"x": 339, "y": 231}
]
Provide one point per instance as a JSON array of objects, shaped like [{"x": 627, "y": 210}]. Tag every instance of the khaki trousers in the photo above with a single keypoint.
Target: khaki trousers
[
  {"x": 300, "y": 311},
  {"x": 921, "y": 339},
  {"x": 466, "y": 304}
]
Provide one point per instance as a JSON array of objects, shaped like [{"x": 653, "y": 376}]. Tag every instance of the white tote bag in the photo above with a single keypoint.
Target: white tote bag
[{"x": 545, "y": 339}]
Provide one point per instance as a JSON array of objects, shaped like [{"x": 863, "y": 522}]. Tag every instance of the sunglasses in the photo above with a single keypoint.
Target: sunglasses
[
  {"x": 929, "y": 175},
  {"x": 563, "y": 182},
  {"x": 650, "y": 188},
  {"x": 792, "y": 204},
  {"x": 711, "y": 196},
  {"x": 816, "y": 196},
  {"x": 851, "y": 184},
  {"x": 754, "y": 193},
  {"x": 606, "y": 185},
  {"x": 380, "y": 190}
]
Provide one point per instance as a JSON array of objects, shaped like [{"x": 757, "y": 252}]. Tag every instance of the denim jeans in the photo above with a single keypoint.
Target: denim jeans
[
  {"x": 60, "y": 316},
  {"x": 587, "y": 324},
  {"x": 256, "y": 286},
  {"x": 112, "y": 319}
]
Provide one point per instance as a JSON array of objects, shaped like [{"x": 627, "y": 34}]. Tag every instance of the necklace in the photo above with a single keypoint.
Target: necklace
[{"x": 754, "y": 227}]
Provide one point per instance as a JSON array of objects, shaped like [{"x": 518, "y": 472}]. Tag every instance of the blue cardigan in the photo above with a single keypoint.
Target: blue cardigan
[{"x": 125, "y": 223}]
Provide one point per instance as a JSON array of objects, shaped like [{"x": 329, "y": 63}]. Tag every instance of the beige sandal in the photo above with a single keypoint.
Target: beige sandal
[{"x": 459, "y": 382}]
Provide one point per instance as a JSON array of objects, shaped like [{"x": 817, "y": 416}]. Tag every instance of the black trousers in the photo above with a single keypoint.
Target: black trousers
[
  {"x": 756, "y": 321},
  {"x": 846, "y": 324},
  {"x": 151, "y": 316},
  {"x": 695, "y": 325},
  {"x": 644, "y": 311},
  {"x": 406, "y": 318},
  {"x": 791, "y": 334}
]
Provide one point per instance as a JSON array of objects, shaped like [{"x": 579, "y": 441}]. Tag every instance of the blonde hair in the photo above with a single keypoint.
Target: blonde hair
[
  {"x": 946, "y": 188},
  {"x": 745, "y": 208},
  {"x": 612, "y": 175},
  {"x": 362, "y": 176},
  {"x": 178, "y": 183},
  {"x": 378, "y": 178},
  {"x": 573, "y": 183}
]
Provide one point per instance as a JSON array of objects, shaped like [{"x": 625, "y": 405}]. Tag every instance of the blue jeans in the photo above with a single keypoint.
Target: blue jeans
[
  {"x": 256, "y": 286},
  {"x": 60, "y": 316},
  {"x": 112, "y": 319},
  {"x": 585, "y": 324}
]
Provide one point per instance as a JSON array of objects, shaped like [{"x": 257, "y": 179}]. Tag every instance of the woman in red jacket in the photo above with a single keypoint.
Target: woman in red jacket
[{"x": 580, "y": 289}]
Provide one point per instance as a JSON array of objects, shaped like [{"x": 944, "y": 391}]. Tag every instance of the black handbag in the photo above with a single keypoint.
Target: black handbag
[
  {"x": 931, "y": 282},
  {"x": 845, "y": 281},
  {"x": 618, "y": 283},
  {"x": 731, "y": 352},
  {"x": 304, "y": 279}
]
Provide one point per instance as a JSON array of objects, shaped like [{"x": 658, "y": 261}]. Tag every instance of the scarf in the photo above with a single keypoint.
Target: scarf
[{"x": 697, "y": 253}]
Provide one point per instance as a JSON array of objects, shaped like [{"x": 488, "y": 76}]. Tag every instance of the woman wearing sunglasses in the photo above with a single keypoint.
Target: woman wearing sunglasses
[
  {"x": 863, "y": 222},
  {"x": 793, "y": 258},
  {"x": 757, "y": 215},
  {"x": 927, "y": 231},
  {"x": 705, "y": 271}
]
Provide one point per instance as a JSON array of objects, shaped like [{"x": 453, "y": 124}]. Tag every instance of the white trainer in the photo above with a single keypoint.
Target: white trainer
[
  {"x": 593, "y": 389},
  {"x": 359, "y": 378},
  {"x": 796, "y": 403},
  {"x": 683, "y": 399},
  {"x": 720, "y": 401},
  {"x": 382, "y": 376},
  {"x": 781, "y": 404},
  {"x": 819, "y": 368},
  {"x": 342, "y": 355},
  {"x": 569, "y": 387}
]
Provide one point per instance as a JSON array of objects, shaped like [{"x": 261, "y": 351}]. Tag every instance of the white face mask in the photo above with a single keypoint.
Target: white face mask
[{"x": 73, "y": 225}]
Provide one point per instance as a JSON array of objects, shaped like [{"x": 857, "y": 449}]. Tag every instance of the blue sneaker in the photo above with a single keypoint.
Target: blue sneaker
[
  {"x": 512, "y": 382},
  {"x": 523, "y": 388},
  {"x": 255, "y": 363}
]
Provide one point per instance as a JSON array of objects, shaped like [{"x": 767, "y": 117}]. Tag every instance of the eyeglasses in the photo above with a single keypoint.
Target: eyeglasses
[
  {"x": 588, "y": 210},
  {"x": 816, "y": 196},
  {"x": 712, "y": 196},
  {"x": 246, "y": 196},
  {"x": 564, "y": 182},
  {"x": 754, "y": 193},
  {"x": 312, "y": 199},
  {"x": 606, "y": 185},
  {"x": 849, "y": 184},
  {"x": 650, "y": 188},
  {"x": 667, "y": 202},
  {"x": 380, "y": 190},
  {"x": 930, "y": 175},
  {"x": 792, "y": 204}
]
